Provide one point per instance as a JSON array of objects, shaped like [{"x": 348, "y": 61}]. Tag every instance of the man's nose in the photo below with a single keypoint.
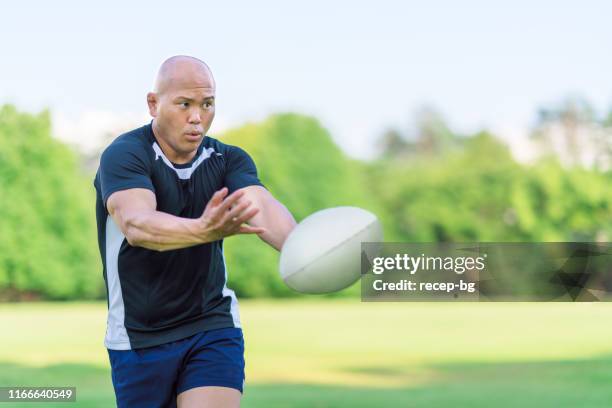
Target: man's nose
[{"x": 194, "y": 116}]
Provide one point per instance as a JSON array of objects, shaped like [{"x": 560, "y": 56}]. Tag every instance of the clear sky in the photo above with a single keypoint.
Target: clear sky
[{"x": 358, "y": 66}]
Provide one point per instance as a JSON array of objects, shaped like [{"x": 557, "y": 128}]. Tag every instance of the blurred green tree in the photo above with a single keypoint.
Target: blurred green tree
[
  {"x": 431, "y": 137},
  {"x": 438, "y": 187},
  {"x": 47, "y": 233}
]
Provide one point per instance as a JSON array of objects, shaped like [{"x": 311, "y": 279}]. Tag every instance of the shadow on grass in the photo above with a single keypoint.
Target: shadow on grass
[{"x": 582, "y": 383}]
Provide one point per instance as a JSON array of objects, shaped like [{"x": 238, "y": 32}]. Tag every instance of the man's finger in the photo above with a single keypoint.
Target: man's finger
[
  {"x": 218, "y": 197},
  {"x": 236, "y": 211},
  {"x": 230, "y": 200},
  {"x": 247, "y": 229},
  {"x": 247, "y": 215}
]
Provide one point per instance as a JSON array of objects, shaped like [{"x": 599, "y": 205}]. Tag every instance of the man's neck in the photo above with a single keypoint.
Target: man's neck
[{"x": 170, "y": 153}]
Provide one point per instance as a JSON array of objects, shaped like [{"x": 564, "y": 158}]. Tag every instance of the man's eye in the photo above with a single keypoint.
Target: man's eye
[
  {"x": 184, "y": 104},
  {"x": 207, "y": 105}
]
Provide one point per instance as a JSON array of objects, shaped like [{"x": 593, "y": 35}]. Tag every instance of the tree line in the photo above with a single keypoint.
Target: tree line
[{"x": 439, "y": 186}]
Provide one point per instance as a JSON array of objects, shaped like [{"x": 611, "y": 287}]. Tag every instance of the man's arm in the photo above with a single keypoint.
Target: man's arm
[
  {"x": 134, "y": 211},
  {"x": 272, "y": 216}
]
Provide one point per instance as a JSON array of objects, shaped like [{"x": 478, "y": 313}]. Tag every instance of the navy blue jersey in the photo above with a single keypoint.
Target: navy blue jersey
[{"x": 158, "y": 297}]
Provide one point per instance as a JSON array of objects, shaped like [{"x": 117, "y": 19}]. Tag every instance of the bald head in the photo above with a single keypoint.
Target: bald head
[
  {"x": 183, "y": 72},
  {"x": 182, "y": 106}
]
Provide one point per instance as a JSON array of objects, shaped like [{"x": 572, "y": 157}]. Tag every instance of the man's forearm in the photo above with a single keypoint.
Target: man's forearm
[
  {"x": 277, "y": 221},
  {"x": 162, "y": 231},
  {"x": 134, "y": 212}
]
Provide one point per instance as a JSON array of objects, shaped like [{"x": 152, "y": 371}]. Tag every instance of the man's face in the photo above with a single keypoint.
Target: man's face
[{"x": 184, "y": 111}]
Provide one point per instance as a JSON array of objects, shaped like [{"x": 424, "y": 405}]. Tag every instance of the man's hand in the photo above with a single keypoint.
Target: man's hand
[{"x": 226, "y": 215}]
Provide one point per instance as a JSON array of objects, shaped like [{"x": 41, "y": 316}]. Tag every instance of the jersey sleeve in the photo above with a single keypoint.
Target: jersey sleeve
[
  {"x": 240, "y": 170},
  {"x": 124, "y": 166}
]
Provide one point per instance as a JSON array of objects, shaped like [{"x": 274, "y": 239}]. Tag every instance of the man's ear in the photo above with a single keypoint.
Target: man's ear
[{"x": 152, "y": 101}]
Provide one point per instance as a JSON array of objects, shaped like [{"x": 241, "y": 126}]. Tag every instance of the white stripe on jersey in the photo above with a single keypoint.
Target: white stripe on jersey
[
  {"x": 228, "y": 292},
  {"x": 183, "y": 174},
  {"x": 116, "y": 334}
]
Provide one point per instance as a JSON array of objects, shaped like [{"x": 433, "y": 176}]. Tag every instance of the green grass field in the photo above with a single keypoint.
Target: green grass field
[{"x": 344, "y": 353}]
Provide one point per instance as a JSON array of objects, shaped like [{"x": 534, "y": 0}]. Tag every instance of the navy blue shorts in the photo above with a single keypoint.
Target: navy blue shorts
[{"x": 154, "y": 376}]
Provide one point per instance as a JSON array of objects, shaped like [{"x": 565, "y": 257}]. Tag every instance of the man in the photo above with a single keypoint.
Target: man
[{"x": 167, "y": 196}]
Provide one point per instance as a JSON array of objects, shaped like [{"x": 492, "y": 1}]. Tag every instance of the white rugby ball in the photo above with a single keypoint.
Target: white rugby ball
[{"x": 323, "y": 253}]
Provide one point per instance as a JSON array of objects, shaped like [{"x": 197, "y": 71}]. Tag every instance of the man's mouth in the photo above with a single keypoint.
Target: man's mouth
[{"x": 193, "y": 135}]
